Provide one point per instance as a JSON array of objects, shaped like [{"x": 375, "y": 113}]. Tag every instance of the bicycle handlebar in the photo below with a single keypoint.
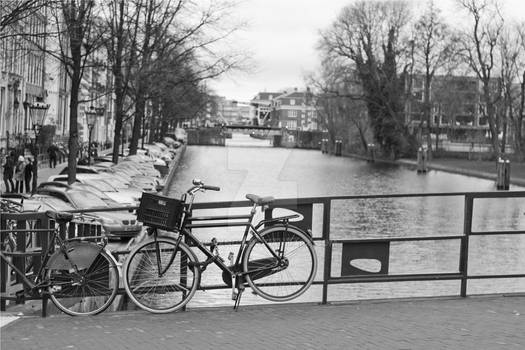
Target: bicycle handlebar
[{"x": 199, "y": 185}]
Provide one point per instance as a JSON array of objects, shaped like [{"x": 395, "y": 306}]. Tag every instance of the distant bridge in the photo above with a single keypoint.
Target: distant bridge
[{"x": 251, "y": 127}]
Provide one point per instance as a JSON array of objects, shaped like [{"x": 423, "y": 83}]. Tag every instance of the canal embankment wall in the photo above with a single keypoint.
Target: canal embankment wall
[
  {"x": 476, "y": 168},
  {"x": 174, "y": 164}
]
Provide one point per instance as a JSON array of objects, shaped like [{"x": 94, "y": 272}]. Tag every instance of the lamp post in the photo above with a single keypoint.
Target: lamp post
[
  {"x": 37, "y": 114},
  {"x": 91, "y": 118}
]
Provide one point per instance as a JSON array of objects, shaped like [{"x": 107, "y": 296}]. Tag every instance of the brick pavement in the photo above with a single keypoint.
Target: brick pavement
[{"x": 494, "y": 322}]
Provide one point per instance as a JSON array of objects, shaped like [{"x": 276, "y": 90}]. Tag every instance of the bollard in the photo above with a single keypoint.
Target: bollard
[
  {"x": 371, "y": 153},
  {"x": 503, "y": 174},
  {"x": 338, "y": 147},
  {"x": 422, "y": 160},
  {"x": 323, "y": 146}
]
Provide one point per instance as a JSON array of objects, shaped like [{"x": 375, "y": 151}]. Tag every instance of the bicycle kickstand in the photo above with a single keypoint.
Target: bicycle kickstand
[{"x": 236, "y": 294}]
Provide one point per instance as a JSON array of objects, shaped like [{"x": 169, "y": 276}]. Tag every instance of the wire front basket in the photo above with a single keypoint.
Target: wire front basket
[{"x": 159, "y": 211}]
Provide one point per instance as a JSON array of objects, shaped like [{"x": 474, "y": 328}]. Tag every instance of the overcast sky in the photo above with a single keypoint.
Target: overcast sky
[{"x": 282, "y": 36}]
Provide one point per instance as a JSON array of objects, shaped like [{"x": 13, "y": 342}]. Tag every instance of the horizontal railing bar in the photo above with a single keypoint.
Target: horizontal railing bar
[
  {"x": 397, "y": 239},
  {"x": 394, "y": 278},
  {"x": 224, "y": 217},
  {"x": 311, "y": 200},
  {"x": 218, "y": 224},
  {"x": 478, "y": 277},
  {"x": 493, "y": 233},
  {"x": 29, "y": 230}
]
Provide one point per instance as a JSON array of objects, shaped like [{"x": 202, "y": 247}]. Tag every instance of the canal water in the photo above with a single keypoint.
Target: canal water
[{"x": 252, "y": 166}]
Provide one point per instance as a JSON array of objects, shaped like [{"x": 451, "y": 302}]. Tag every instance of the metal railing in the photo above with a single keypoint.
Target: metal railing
[
  {"x": 25, "y": 236},
  {"x": 305, "y": 206}
]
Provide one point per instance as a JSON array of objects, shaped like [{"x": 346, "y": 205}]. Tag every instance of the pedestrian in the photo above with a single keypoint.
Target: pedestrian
[
  {"x": 9, "y": 166},
  {"x": 28, "y": 174},
  {"x": 52, "y": 151},
  {"x": 19, "y": 174}
]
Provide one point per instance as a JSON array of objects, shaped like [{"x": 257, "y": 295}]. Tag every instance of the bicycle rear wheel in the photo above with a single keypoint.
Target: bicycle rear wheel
[
  {"x": 284, "y": 279},
  {"x": 88, "y": 292},
  {"x": 165, "y": 290}
]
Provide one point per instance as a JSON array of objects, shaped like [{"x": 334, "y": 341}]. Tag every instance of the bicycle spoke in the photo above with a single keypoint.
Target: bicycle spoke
[
  {"x": 288, "y": 278},
  {"x": 160, "y": 293}
]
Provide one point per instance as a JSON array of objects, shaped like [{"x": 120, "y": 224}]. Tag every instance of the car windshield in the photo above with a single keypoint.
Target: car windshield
[
  {"x": 115, "y": 183},
  {"x": 57, "y": 204},
  {"x": 49, "y": 203},
  {"x": 84, "y": 199},
  {"x": 101, "y": 185},
  {"x": 95, "y": 188}
]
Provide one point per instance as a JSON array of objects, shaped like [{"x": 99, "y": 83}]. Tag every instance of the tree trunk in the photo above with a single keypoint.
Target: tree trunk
[
  {"x": 140, "y": 104},
  {"x": 119, "y": 100},
  {"x": 73, "y": 124}
]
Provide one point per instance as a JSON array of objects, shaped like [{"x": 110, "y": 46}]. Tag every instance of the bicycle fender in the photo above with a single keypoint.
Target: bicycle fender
[
  {"x": 307, "y": 233},
  {"x": 82, "y": 254}
]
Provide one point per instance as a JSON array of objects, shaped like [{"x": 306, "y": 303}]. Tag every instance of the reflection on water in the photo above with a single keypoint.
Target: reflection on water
[{"x": 292, "y": 173}]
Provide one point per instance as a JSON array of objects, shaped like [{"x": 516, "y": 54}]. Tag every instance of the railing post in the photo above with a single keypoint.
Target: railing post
[
  {"x": 3, "y": 266},
  {"x": 46, "y": 241},
  {"x": 327, "y": 248},
  {"x": 463, "y": 254}
]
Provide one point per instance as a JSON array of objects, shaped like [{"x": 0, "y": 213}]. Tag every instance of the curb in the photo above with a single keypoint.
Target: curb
[{"x": 173, "y": 169}]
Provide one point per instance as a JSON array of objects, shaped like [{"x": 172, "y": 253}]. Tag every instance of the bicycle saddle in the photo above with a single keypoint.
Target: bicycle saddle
[
  {"x": 259, "y": 200},
  {"x": 59, "y": 216}
]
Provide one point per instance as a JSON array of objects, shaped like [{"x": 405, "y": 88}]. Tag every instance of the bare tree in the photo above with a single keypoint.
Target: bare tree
[
  {"x": 340, "y": 105},
  {"x": 77, "y": 41},
  {"x": 366, "y": 34},
  {"x": 180, "y": 30},
  {"x": 119, "y": 29},
  {"x": 435, "y": 50},
  {"x": 13, "y": 12},
  {"x": 515, "y": 95},
  {"x": 479, "y": 50}
]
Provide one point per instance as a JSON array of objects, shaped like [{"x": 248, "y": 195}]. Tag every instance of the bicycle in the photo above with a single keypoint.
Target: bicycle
[
  {"x": 78, "y": 274},
  {"x": 9, "y": 240},
  {"x": 162, "y": 273}
]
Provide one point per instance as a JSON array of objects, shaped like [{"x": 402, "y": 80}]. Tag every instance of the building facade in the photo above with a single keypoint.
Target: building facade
[
  {"x": 295, "y": 110},
  {"x": 22, "y": 77}
]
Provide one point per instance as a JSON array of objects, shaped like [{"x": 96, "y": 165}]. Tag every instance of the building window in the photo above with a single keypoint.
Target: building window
[
  {"x": 292, "y": 102},
  {"x": 292, "y": 114},
  {"x": 291, "y": 124}
]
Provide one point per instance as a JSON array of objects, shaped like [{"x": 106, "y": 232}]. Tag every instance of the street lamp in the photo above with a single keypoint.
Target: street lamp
[
  {"x": 37, "y": 115},
  {"x": 91, "y": 117}
]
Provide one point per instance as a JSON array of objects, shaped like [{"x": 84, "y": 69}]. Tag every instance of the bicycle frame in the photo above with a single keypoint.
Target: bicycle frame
[
  {"x": 38, "y": 276},
  {"x": 185, "y": 228},
  {"x": 46, "y": 256}
]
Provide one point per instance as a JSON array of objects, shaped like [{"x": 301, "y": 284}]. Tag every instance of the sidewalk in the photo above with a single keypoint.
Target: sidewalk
[
  {"x": 462, "y": 323},
  {"x": 476, "y": 168}
]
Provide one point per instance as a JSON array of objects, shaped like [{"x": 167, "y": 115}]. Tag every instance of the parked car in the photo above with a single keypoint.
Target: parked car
[
  {"x": 115, "y": 223},
  {"x": 123, "y": 195}
]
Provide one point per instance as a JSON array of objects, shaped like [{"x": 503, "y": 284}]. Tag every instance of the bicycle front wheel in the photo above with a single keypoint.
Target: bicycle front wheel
[
  {"x": 286, "y": 277},
  {"x": 88, "y": 291},
  {"x": 161, "y": 280}
]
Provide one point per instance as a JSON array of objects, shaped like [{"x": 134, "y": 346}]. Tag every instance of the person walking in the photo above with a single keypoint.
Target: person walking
[
  {"x": 19, "y": 175},
  {"x": 9, "y": 166},
  {"x": 52, "y": 151},
  {"x": 28, "y": 174}
]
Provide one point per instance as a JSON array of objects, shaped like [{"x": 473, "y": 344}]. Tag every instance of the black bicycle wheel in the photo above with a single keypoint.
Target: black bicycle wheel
[
  {"x": 88, "y": 292},
  {"x": 165, "y": 290},
  {"x": 285, "y": 278}
]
